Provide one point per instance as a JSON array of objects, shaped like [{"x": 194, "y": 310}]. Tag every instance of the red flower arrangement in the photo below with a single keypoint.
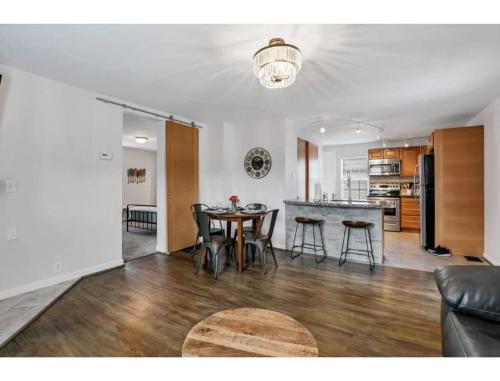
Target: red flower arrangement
[{"x": 234, "y": 198}]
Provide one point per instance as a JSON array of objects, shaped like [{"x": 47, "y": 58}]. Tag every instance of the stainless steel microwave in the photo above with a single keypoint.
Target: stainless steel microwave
[{"x": 384, "y": 167}]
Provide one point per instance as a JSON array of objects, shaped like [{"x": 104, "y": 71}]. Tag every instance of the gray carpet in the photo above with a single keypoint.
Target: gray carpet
[{"x": 137, "y": 243}]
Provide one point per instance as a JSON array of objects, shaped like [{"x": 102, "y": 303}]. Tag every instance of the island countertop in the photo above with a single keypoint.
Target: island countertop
[{"x": 338, "y": 204}]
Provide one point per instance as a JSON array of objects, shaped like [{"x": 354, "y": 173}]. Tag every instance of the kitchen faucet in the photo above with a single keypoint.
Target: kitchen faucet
[{"x": 349, "y": 197}]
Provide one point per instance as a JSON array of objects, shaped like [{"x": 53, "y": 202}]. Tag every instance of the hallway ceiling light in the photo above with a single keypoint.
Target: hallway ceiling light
[
  {"x": 277, "y": 64},
  {"x": 358, "y": 130},
  {"x": 141, "y": 139},
  {"x": 322, "y": 130}
]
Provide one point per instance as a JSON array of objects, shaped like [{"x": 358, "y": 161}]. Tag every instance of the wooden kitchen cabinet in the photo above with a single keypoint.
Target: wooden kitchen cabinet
[
  {"x": 375, "y": 154},
  {"x": 383, "y": 153},
  {"x": 410, "y": 214},
  {"x": 459, "y": 189},
  {"x": 409, "y": 160},
  {"x": 391, "y": 153},
  {"x": 424, "y": 150},
  {"x": 430, "y": 143}
]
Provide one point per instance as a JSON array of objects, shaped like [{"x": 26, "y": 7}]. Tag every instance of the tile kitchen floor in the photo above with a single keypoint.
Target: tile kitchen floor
[{"x": 402, "y": 249}]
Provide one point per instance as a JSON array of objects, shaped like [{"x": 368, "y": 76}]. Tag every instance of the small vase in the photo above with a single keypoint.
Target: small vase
[{"x": 233, "y": 206}]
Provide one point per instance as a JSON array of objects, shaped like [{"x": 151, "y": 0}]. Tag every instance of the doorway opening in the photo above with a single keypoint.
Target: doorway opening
[{"x": 143, "y": 186}]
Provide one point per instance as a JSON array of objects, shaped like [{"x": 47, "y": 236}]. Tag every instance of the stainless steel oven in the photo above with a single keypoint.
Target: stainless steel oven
[
  {"x": 388, "y": 196},
  {"x": 384, "y": 167}
]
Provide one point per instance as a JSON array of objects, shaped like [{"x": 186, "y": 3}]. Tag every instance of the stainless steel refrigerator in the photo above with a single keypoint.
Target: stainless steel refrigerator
[{"x": 424, "y": 182}]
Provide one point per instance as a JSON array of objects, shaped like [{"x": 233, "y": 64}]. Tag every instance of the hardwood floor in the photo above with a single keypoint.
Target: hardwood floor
[{"x": 147, "y": 308}]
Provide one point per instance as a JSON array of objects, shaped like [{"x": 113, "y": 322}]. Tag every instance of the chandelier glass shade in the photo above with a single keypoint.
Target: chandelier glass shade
[{"x": 277, "y": 64}]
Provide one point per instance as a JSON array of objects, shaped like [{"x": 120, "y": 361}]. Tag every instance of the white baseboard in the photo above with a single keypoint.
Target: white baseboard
[
  {"x": 491, "y": 260},
  {"x": 59, "y": 279}
]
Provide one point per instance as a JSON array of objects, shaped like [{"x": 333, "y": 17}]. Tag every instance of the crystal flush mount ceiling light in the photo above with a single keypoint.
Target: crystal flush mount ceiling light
[{"x": 277, "y": 64}]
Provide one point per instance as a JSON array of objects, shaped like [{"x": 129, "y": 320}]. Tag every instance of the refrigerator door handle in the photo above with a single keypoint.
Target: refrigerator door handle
[{"x": 416, "y": 186}]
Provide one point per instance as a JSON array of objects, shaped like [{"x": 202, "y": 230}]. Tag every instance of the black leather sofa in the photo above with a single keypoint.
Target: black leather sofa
[{"x": 470, "y": 310}]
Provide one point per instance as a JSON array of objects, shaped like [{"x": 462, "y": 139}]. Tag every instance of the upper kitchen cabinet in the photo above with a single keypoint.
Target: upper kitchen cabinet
[
  {"x": 430, "y": 143},
  {"x": 375, "y": 154},
  {"x": 424, "y": 149},
  {"x": 383, "y": 153},
  {"x": 409, "y": 160},
  {"x": 391, "y": 153}
]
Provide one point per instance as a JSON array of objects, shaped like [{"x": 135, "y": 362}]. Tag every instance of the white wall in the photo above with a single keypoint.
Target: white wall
[
  {"x": 139, "y": 193},
  {"x": 490, "y": 118},
  {"x": 213, "y": 180},
  {"x": 333, "y": 156},
  {"x": 161, "y": 190},
  {"x": 68, "y": 202},
  {"x": 223, "y": 146}
]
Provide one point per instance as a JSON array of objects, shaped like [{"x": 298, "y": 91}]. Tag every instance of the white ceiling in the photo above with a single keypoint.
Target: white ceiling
[
  {"x": 138, "y": 125},
  {"x": 409, "y": 79}
]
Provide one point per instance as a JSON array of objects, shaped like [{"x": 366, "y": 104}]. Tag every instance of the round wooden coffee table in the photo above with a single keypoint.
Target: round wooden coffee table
[{"x": 249, "y": 332}]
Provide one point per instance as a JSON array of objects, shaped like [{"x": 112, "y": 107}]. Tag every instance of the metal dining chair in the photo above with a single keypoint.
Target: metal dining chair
[
  {"x": 213, "y": 243},
  {"x": 264, "y": 240},
  {"x": 213, "y": 229},
  {"x": 251, "y": 228}
]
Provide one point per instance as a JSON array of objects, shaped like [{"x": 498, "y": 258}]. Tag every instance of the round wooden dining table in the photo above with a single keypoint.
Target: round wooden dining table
[{"x": 239, "y": 218}]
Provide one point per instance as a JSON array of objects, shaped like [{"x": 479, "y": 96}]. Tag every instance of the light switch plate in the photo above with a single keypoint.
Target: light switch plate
[
  {"x": 12, "y": 233},
  {"x": 10, "y": 185}
]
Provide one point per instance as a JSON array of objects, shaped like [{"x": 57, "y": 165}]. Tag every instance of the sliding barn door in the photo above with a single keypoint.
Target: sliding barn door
[{"x": 182, "y": 184}]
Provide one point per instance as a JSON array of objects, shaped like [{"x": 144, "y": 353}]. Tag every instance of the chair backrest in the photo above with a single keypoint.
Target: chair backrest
[
  {"x": 203, "y": 222},
  {"x": 198, "y": 207},
  {"x": 256, "y": 206},
  {"x": 270, "y": 218}
]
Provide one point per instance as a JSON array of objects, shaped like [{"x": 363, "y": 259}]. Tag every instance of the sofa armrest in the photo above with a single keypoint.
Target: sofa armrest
[{"x": 473, "y": 290}]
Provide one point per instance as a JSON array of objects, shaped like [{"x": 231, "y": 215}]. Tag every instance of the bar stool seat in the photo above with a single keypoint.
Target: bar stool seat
[
  {"x": 356, "y": 224},
  {"x": 368, "y": 240},
  {"x": 307, "y": 221}
]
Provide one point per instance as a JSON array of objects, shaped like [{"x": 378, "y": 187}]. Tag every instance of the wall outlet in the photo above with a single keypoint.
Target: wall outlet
[
  {"x": 57, "y": 267},
  {"x": 10, "y": 185},
  {"x": 106, "y": 155},
  {"x": 12, "y": 233}
]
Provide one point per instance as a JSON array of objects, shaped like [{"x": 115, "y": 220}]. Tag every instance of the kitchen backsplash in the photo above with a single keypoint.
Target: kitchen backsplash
[
  {"x": 406, "y": 183},
  {"x": 391, "y": 179}
]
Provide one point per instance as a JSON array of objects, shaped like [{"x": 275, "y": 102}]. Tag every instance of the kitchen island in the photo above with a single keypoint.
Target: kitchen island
[{"x": 333, "y": 213}]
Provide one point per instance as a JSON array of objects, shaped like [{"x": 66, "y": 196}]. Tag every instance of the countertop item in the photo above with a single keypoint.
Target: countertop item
[{"x": 339, "y": 204}]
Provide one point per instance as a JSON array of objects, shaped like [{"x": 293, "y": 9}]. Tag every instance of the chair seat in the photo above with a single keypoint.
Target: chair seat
[
  {"x": 356, "y": 224},
  {"x": 307, "y": 220},
  {"x": 250, "y": 237},
  {"x": 220, "y": 239}
]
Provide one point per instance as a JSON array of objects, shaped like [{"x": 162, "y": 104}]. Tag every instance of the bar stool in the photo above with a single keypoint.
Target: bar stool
[
  {"x": 368, "y": 239},
  {"x": 305, "y": 221}
]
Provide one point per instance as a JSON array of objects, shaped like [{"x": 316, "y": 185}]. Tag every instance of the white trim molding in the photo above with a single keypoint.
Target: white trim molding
[
  {"x": 491, "y": 260},
  {"x": 59, "y": 279}
]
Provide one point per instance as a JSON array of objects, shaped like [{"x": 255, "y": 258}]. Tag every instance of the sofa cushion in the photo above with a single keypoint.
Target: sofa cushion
[
  {"x": 473, "y": 290},
  {"x": 469, "y": 336}
]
